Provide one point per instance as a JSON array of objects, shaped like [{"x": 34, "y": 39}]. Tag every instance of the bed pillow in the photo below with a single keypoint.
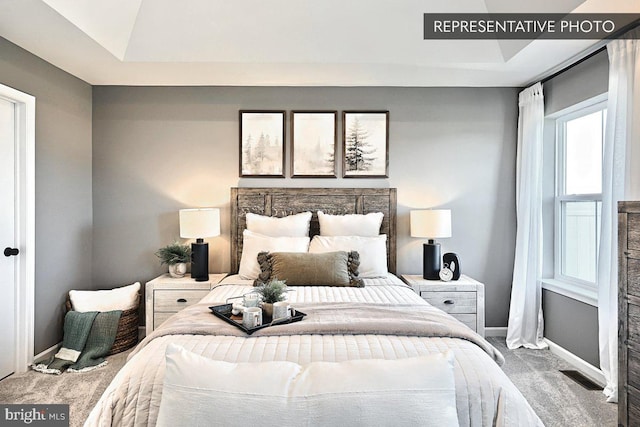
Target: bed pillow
[
  {"x": 372, "y": 250},
  {"x": 411, "y": 391},
  {"x": 254, "y": 243},
  {"x": 289, "y": 226},
  {"x": 305, "y": 269},
  {"x": 123, "y": 298},
  {"x": 350, "y": 225}
]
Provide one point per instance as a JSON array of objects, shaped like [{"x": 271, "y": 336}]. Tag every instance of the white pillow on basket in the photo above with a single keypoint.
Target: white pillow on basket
[
  {"x": 411, "y": 391},
  {"x": 254, "y": 243},
  {"x": 123, "y": 298},
  {"x": 350, "y": 225},
  {"x": 372, "y": 250},
  {"x": 289, "y": 226}
]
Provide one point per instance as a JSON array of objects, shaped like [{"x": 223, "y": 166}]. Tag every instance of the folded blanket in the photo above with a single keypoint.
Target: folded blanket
[
  {"x": 88, "y": 337},
  {"x": 99, "y": 342},
  {"x": 420, "y": 320}
]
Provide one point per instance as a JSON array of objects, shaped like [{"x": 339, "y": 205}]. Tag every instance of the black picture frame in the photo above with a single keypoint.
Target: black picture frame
[
  {"x": 365, "y": 144},
  {"x": 262, "y": 143},
  {"x": 314, "y": 143}
]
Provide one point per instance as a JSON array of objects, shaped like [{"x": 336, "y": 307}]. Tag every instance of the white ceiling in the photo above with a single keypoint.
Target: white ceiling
[{"x": 283, "y": 42}]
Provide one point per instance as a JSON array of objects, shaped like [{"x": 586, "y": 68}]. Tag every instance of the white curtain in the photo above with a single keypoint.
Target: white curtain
[
  {"x": 621, "y": 144},
  {"x": 525, "y": 312}
]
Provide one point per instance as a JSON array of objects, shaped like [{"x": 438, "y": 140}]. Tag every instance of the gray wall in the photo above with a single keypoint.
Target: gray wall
[
  {"x": 564, "y": 316},
  {"x": 63, "y": 183},
  {"x": 156, "y": 150},
  {"x": 571, "y": 324},
  {"x": 586, "y": 80}
]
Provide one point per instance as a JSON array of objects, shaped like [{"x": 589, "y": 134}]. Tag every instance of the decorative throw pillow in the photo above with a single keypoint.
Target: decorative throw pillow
[
  {"x": 350, "y": 225},
  {"x": 302, "y": 269},
  {"x": 372, "y": 250},
  {"x": 411, "y": 391},
  {"x": 289, "y": 226},
  {"x": 123, "y": 298},
  {"x": 254, "y": 243}
]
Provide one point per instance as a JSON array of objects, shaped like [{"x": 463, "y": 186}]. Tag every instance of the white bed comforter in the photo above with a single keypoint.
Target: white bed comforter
[{"x": 484, "y": 394}]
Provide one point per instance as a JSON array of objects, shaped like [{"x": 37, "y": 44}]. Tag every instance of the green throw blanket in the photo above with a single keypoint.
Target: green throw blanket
[{"x": 88, "y": 337}]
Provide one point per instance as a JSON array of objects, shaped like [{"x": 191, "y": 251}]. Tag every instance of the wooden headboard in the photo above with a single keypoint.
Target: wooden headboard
[{"x": 281, "y": 202}]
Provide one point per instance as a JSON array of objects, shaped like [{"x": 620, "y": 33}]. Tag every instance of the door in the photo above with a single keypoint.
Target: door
[{"x": 7, "y": 238}]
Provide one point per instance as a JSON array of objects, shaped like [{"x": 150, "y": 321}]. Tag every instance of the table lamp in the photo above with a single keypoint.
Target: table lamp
[
  {"x": 431, "y": 224},
  {"x": 198, "y": 224}
]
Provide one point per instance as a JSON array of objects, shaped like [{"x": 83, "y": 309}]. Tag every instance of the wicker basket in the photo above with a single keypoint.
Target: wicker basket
[{"x": 127, "y": 333}]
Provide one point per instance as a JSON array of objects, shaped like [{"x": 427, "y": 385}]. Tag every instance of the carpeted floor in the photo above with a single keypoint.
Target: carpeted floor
[
  {"x": 558, "y": 400},
  {"x": 80, "y": 391}
]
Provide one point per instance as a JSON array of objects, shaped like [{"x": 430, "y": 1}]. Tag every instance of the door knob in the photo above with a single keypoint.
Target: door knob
[{"x": 11, "y": 251}]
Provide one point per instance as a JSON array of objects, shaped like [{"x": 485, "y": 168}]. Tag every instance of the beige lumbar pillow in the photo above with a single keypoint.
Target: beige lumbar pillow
[{"x": 338, "y": 268}]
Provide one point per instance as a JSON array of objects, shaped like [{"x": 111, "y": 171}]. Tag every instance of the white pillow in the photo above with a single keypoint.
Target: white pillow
[
  {"x": 254, "y": 243},
  {"x": 123, "y": 298},
  {"x": 412, "y": 391},
  {"x": 350, "y": 225},
  {"x": 289, "y": 226},
  {"x": 372, "y": 250}
]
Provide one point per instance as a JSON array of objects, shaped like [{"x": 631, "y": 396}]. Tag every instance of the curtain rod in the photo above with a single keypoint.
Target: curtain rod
[
  {"x": 573, "y": 64},
  {"x": 597, "y": 48}
]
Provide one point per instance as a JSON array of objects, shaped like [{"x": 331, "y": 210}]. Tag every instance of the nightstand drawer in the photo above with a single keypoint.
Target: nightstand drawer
[
  {"x": 452, "y": 302},
  {"x": 463, "y": 298},
  {"x": 468, "y": 319},
  {"x": 175, "y": 300},
  {"x": 159, "y": 318}
]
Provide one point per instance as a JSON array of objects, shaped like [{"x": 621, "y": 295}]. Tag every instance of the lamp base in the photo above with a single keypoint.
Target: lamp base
[
  {"x": 431, "y": 260},
  {"x": 200, "y": 261}
]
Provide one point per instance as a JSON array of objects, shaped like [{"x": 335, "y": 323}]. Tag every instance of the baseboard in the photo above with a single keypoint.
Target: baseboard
[
  {"x": 495, "y": 331},
  {"x": 587, "y": 369},
  {"x": 48, "y": 353}
]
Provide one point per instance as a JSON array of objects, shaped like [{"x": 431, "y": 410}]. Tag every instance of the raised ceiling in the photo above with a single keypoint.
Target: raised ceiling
[{"x": 282, "y": 42}]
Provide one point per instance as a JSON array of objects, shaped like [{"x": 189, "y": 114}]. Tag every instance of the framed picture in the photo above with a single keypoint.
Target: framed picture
[
  {"x": 366, "y": 144},
  {"x": 262, "y": 144},
  {"x": 313, "y": 144}
]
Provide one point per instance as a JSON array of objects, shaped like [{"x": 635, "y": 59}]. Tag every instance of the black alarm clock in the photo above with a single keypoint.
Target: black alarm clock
[{"x": 451, "y": 261}]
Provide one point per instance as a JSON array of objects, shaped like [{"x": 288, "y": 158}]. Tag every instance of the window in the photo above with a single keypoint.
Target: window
[{"x": 578, "y": 201}]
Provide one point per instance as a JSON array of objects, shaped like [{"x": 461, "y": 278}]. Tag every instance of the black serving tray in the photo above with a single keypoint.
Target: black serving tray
[{"x": 224, "y": 312}]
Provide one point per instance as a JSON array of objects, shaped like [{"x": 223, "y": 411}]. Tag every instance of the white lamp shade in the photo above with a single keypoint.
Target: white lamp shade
[
  {"x": 431, "y": 224},
  {"x": 199, "y": 223}
]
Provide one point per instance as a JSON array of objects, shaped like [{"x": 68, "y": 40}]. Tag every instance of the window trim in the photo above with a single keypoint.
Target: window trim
[{"x": 572, "y": 287}]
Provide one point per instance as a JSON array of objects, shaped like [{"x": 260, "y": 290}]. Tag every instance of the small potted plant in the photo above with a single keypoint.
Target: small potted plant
[
  {"x": 272, "y": 291},
  {"x": 176, "y": 256}
]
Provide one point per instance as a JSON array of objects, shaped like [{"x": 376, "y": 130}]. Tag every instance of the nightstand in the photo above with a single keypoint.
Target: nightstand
[
  {"x": 462, "y": 298},
  {"x": 166, "y": 295}
]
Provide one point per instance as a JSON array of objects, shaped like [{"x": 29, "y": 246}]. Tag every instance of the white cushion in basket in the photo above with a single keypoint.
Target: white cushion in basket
[
  {"x": 254, "y": 243},
  {"x": 122, "y": 298},
  {"x": 372, "y": 250},
  {"x": 289, "y": 226},
  {"x": 413, "y": 391},
  {"x": 350, "y": 225}
]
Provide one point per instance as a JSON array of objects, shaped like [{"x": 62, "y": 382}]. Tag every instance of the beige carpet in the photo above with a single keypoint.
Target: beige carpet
[
  {"x": 80, "y": 391},
  {"x": 557, "y": 400}
]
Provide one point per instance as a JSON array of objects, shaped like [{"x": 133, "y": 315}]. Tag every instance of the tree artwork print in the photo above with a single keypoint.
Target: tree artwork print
[
  {"x": 262, "y": 144},
  {"x": 366, "y": 144},
  {"x": 313, "y": 144}
]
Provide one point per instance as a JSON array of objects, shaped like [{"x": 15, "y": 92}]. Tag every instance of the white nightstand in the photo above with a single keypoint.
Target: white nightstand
[
  {"x": 462, "y": 298},
  {"x": 166, "y": 295}
]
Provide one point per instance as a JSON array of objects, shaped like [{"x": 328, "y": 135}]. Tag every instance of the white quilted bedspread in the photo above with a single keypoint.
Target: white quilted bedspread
[{"x": 484, "y": 394}]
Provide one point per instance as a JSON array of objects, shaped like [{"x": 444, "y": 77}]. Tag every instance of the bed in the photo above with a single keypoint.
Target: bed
[{"x": 376, "y": 327}]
